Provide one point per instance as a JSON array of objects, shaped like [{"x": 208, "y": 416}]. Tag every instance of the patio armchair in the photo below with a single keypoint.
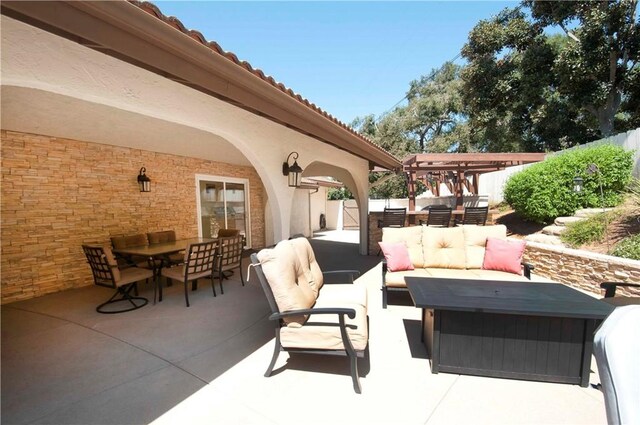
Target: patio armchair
[
  {"x": 440, "y": 216},
  {"x": 616, "y": 346},
  {"x": 229, "y": 257},
  {"x": 610, "y": 292},
  {"x": 131, "y": 241},
  {"x": 163, "y": 237},
  {"x": 475, "y": 215},
  {"x": 310, "y": 316},
  {"x": 107, "y": 273},
  {"x": 199, "y": 262}
]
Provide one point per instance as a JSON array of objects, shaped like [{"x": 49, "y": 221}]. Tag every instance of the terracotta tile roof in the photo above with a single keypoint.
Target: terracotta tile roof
[{"x": 153, "y": 10}]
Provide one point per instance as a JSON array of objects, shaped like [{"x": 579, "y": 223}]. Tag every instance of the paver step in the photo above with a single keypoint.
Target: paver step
[
  {"x": 553, "y": 229},
  {"x": 563, "y": 221},
  {"x": 586, "y": 212},
  {"x": 542, "y": 238}
]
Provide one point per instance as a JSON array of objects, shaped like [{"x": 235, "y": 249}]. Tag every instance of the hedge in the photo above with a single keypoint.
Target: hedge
[{"x": 544, "y": 191}]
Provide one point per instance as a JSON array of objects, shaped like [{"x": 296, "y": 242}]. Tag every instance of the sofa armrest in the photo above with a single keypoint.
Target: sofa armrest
[
  {"x": 527, "y": 269},
  {"x": 610, "y": 287},
  {"x": 352, "y": 273}
]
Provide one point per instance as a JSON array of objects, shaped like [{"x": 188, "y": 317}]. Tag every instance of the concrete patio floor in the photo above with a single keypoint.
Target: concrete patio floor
[{"x": 64, "y": 363}]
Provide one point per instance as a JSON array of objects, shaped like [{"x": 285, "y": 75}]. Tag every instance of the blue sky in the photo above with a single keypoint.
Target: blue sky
[{"x": 349, "y": 58}]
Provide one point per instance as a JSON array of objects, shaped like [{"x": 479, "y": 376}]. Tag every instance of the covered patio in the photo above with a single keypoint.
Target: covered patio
[{"x": 64, "y": 363}]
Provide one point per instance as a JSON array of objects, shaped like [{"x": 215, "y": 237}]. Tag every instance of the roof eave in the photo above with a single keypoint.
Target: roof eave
[{"x": 131, "y": 33}]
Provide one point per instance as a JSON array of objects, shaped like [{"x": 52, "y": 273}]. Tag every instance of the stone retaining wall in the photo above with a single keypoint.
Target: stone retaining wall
[
  {"x": 583, "y": 269},
  {"x": 58, "y": 194}
]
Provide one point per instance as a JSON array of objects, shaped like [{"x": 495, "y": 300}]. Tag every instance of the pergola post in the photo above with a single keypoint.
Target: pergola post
[
  {"x": 411, "y": 175},
  {"x": 459, "y": 190}
]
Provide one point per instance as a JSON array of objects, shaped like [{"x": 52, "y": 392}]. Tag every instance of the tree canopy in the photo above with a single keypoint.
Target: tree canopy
[{"x": 539, "y": 77}]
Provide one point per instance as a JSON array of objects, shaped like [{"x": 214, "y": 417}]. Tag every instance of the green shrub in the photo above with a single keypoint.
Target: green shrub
[
  {"x": 589, "y": 230},
  {"x": 544, "y": 190},
  {"x": 628, "y": 248}
]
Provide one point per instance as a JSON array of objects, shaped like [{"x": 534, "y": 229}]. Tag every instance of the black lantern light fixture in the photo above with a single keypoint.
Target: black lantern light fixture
[
  {"x": 143, "y": 181},
  {"x": 578, "y": 184},
  {"x": 293, "y": 171}
]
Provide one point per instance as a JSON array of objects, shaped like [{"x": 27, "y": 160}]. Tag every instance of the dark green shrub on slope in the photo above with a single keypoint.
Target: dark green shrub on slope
[{"x": 544, "y": 191}]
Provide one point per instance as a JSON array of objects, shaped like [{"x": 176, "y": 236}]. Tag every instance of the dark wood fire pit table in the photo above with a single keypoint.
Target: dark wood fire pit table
[{"x": 519, "y": 330}]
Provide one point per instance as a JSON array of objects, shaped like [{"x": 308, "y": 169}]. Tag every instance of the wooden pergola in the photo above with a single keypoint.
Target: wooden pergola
[{"x": 453, "y": 169}]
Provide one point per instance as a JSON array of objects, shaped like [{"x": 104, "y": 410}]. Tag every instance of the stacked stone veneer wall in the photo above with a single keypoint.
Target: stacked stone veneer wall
[
  {"x": 58, "y": 194},
  {"x": 582, "y": 269}
]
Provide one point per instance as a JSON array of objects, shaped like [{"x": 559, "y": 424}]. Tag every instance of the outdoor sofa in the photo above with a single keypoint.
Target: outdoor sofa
[{"x": 448, "y": 252}]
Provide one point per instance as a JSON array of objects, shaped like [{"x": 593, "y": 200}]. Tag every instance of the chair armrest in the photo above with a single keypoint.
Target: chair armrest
[
  {"x": 351, "y": 273},
  {"x": 527, "y": 269},
  {"x": 610, "y": 287},
  {"x": 350, "y": 312}
]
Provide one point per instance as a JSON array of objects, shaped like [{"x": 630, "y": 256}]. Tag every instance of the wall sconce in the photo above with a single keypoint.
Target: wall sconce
[
  {"x": 292, "y": 171},
  {"x": 143, "y": 181}
]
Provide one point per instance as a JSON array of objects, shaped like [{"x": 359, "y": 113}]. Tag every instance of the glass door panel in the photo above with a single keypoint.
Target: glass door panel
[{"x": 222, "y": 205}]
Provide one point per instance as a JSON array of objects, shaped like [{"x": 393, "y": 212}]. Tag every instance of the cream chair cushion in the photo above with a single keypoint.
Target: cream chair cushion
[
  {"x": 349, "y": 293},
  {"x": 497, "y": 275},
  {"x": 411, "y": 236},
  {"x": 475, "y": 241},
  {"x": 443, "y": 247},
  {"x": 108, "y": 254},
  {"x": 322, "y": 331},
  {"x": 287, "y": 280},
  {"x": 310, "y": 267}
]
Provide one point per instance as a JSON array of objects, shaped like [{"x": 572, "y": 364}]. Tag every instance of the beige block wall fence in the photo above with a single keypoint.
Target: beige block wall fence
[
  {"x": 582, "y": 269},
  {"x": 58, "y": 194}
]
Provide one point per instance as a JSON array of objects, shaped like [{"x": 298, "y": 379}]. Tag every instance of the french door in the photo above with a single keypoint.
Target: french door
[{"x": 223, "y": 202}]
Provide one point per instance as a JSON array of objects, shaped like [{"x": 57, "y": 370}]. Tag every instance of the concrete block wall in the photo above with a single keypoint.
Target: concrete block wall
[
  {"x": 583, "y": 269},
  {"x": 58, "y": 194}
]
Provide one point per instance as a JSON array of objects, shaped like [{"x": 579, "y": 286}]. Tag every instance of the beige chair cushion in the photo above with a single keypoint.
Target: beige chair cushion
[
  {"x": 134, "y": 274},
  {"x": 411, "y": 236},
  {"x": 121, "y": 242},
  {"x": 287, "y": 280},
  {"x": 177, "y": 273},
  {"x": 161, "y": 237},
  {"x": 322, "y": 331},
  {"x": 396, "y": 279},
  {"x": 310, "y": 267},
  {"x": 443, "y": 247},
  {"x": 343, "y": 293},
  {"x": 475, "y": 241},
  {"x": 114, "y": 265}
]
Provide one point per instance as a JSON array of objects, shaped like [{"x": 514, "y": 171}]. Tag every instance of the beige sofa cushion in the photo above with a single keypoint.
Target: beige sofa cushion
[
  {"x": 498, "y": 275},
  {"x": 411, "y": 236},
  {"x": 287, "y": 280},
  {"x": 450, "y": 273},
  {"x": 396, "y": 279},
  {"x": 443, "y": 247},
  {"x": 475, "y": 241},
  {"x": 323, "y": 332},
  {"x": 310, "y": 267}
]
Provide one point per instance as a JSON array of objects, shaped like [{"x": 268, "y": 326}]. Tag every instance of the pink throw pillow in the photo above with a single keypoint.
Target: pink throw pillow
[
  {"x": 397, "y": 256},
  {"x": 503, "y": 255}
]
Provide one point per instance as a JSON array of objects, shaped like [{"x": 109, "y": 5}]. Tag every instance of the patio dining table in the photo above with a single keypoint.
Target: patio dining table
[{"x": 155, "y": 254}]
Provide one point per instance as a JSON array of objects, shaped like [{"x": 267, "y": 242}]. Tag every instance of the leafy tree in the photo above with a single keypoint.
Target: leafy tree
[{"x": 525, "y": 90}]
